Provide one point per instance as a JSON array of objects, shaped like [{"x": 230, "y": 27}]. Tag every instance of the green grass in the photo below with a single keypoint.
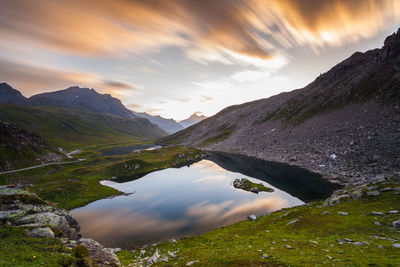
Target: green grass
[
  {"x": 72, "y": 129},
  {"x": 18, "y": 249},
  {"x": 77, "y": 184},
  {"x": 313, "y": 238}
]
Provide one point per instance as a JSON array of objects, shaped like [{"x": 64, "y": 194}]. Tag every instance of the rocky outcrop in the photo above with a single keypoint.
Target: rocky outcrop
[
  {"x": 21, "y": 208},
  {"x": 344, "y": 125},
  {"x": 100, "y": 255}
]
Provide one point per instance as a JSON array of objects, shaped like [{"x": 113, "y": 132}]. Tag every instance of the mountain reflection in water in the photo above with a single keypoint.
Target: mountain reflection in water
[{"x": 173, "y": 203}]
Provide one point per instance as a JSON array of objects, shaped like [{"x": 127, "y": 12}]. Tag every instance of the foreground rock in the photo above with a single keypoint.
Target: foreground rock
[
  {"x": 21, "y": 208},
  {"x": 99, "y": 254}
]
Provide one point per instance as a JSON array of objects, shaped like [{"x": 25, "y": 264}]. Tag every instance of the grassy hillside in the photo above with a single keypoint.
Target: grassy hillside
[
  {"x": 71, "y": 129},
  {"x": 308, "y": 235}
]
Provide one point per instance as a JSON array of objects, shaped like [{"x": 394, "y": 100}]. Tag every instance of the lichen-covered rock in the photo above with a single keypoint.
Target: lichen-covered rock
[
  {"x": 52, "y": 220},
  {"x": 6, "y": 191},
  {"x": 99, "y": 254},
  {"x": 11, "y": 214},
  {"x": 42, "y": 232}
]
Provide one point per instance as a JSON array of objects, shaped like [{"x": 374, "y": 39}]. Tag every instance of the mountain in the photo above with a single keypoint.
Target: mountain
[
  {"x": 82, "y": 99},
  {"x": 195, "y": 118},
  {"x": 10, "y": 95},
  {"x": 70, "y": 128},
  {"x": 346, "y": 123},
  {"x": 168, "y": 125}
]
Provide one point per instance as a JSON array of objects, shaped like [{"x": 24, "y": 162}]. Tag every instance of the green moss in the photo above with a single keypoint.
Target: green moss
[{"x": 311, "y": 235}]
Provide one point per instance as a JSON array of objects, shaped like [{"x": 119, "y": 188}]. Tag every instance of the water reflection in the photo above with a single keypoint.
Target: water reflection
[
  {"x": 129, "y": 149},
  {"x": 173, "y": 203}
]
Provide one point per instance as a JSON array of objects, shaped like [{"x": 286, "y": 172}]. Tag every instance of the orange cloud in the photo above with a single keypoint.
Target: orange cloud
[
  {"x": 223, "y": 30},
  {"x": 33, "y": 79}
]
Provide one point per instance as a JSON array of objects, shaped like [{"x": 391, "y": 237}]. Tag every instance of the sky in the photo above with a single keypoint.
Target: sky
[{"x": 176, "y": 57}]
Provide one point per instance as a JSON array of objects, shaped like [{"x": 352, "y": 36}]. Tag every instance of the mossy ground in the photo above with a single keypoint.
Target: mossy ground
[
  {"x": 313, "y": 238},
  {"x": 77, "y": 184}
]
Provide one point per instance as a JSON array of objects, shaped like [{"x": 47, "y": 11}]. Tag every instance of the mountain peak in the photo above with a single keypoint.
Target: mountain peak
[
  {"x": 10, "y": 95},
  {"x": 193, "y": 119}
]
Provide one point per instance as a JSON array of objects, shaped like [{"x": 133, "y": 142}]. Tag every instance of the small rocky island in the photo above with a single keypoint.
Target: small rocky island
[{"x": 245, "y": 184}]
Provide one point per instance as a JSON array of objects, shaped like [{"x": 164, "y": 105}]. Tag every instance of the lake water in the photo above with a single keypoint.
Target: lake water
[
  {"x": 115, "y": 151},
  {"x": 185, "y": 201}
]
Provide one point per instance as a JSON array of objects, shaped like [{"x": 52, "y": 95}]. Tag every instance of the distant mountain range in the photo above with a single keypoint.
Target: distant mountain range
[
  {"x": 84, "y": 99},
  {"x": 195, "y": 118},
  {"x": 346, "y": 122}
]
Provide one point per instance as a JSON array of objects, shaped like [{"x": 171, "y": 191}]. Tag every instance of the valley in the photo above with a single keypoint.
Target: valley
[{"x": 105, "y": 177}]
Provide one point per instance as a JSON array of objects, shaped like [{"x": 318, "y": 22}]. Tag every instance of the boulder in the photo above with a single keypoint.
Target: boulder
[
  {"x": 42, "y": 232},
  {"x": 252, "y": 217},
  {"x": 396, "y": 224},
  {"x": 52, "y": 220},
  {"x": 377, "y": 213},
  {"x": 343, "y": 213},
  {"x": 255, "y": 189},
  {"x": 373, "y": 193},
  {"x": 100, "y": 255}
]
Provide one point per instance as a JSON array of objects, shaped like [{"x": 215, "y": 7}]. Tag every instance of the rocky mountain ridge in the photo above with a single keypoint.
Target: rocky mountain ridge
[
  {"x": 84, "y": 99},
  {"x": 345, "y": 124}
]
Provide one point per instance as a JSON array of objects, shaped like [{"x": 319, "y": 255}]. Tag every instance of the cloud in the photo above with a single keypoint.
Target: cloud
[
  {"x": 207, "y": 30},
  {"x": 133, "y": 106},
  {"x": 32, "y": 79},
  {"x": 249, "y": 76},
  {"x": 204, "y": 98}
]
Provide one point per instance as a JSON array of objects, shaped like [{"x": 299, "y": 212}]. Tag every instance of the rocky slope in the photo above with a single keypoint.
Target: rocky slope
[
  {"x": 19, "y": 147},
  {"x": 345, "y": 124}
]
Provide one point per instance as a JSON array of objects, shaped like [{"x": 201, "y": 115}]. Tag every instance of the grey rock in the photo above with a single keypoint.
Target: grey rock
[
  {"x": 377, "y": 213},
  {"x": 99, "y": 254},
  {"x": 11, "y": 214},
  {"x": 373, "y": 193},
  {"x": 393, "y": 212},
  {"x": 292, "y": 222},
  {"x": 377, "y": 223},
  {"x": 255, "y": 189},
  {"x": 386, "y": 189},
  {"x": 116, "y": 250},
  {"x": 265, "y": 256},
  {"x": 397, "y": 189},
  {"x": 396, "y": 245},
  {"x": 396, "y": 224},
  {"x": 252, "y": 217},
  {"x": 357, "y": 194},
  {"x": 343, "y": 213},
  {"x": 358, "y": 244},
  {"x": 288, "y": 247},
  {"x": 42, "y": 232}
]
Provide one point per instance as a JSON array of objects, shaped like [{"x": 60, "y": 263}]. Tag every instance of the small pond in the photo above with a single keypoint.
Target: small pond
[
  {"x": 117, "y": 151},
  {"x": 178, "y": 202}
]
